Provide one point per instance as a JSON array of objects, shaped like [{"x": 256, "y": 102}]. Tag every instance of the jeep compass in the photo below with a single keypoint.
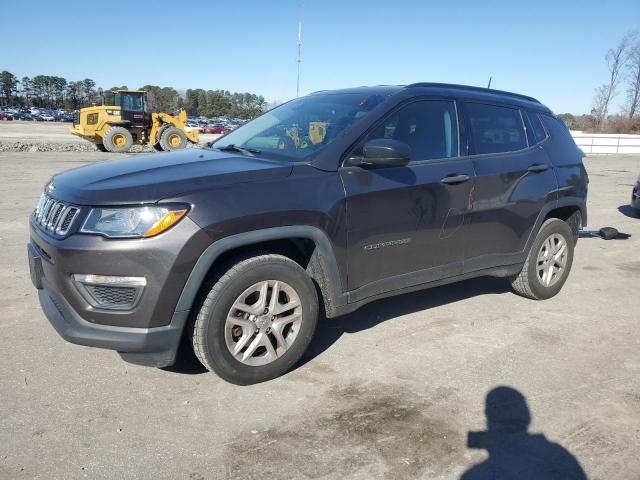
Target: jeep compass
[{"x": 324, "y": 203}]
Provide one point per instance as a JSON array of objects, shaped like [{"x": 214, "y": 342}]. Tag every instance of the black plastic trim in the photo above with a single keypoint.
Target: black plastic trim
[
  {"x": 208, "y": 257},
  {"x": 159, "y": 344}
]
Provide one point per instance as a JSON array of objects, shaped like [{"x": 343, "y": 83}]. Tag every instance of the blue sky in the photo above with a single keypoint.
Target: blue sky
[{"x": 551, "y": 50}]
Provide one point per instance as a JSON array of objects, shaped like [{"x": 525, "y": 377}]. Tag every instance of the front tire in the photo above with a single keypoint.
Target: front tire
[
  {"x": 256, "y": 320},
  {"x": 117, "y": 140},
  {"x": 548, "y": 263},
  {"x": 173, "y": 138}
]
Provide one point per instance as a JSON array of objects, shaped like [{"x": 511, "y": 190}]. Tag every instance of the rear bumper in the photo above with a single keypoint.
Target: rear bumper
[
  {"x": 79, "y": 131},
  {"x": 635, "y": 196}
]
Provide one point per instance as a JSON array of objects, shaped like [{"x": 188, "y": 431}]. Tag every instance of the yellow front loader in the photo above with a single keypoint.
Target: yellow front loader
[{"x": 116, "y": 127}]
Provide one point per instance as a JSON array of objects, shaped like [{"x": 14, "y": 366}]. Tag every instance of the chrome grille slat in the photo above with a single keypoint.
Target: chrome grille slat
[
  {"x": 67, "y": 220},
  {"x": 47, "y": 209},
  {"x": 54, "y": 216},
  {"x": 45, "y": 206},
  {"x": 60, "y": 219},
  {"x": 52, "y": 209}
]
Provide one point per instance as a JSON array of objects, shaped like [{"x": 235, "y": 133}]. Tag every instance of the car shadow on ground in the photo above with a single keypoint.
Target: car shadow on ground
[
  {"x": 513, "y": 451},
  {"x": 330, "y": 330},
  {"x": 629, "y": 211}
]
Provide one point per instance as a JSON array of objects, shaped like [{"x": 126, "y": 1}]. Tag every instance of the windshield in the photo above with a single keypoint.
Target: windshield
[{"x": 302, "y": 127}]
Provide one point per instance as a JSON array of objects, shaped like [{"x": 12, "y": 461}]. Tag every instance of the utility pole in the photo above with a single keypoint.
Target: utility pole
[{"x": 299, "y": 56}]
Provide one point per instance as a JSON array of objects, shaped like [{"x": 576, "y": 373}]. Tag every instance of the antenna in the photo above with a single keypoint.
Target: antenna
[
  {"x": 489, "y": 85},
  {"x": 299, "y": 56}
]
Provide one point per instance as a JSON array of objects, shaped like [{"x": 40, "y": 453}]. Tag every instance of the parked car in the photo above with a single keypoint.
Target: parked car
[
  {"x": 47, "y": 117},
  {"x": 5, "y": 116},
  {"x": 337, "y": 198},
  {"x": 22, "y": 116},
  {"x": 635, "y": 195},
  {"x": 192, "y": 126},
  {"x": 217, "y": 129}
]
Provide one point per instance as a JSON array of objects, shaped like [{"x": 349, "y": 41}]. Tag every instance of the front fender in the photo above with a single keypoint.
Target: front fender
[{"x": 323, "y": 266}]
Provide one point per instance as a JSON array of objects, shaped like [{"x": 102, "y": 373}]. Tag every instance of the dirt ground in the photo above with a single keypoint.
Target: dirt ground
[{"x": 391, "y": 391}]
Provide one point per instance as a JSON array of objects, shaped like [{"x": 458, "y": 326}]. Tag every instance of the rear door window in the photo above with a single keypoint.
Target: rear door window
[{"x": 495, "y": 129}]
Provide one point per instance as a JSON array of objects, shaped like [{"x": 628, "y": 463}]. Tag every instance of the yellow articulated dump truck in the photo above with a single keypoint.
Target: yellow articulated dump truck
[{"x": 114, "y": 128}]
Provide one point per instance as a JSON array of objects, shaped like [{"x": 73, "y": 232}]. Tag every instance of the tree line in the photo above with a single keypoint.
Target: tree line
[
  {"x": 47, "y": 91},
  {"x": 623, "y": 67}
]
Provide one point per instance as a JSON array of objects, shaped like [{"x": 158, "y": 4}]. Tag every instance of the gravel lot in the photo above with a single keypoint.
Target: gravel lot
[
  {"x": 50, "y": 136},
  {"x": 390, "y": 391}
]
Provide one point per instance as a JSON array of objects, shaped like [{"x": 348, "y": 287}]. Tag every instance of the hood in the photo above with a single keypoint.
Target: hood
[{"x": 150, "y": 178}]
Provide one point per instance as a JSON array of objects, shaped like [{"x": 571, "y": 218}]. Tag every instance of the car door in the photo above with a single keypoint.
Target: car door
[
  {"x": 513, "y": 183},
  {"x": 406, "y": 224}
]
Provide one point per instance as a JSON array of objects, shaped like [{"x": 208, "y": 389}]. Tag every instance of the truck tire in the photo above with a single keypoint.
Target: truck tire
[
  {"x": 548, "y": 263},
  {"x": 256, "y": 321},
  {"x": 117, "y": 140},
  {"x": 173, "y": 139},
  {"x": 158, "y": 146}
]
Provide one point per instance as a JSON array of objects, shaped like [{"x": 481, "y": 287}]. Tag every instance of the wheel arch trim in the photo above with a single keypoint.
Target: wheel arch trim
[
  {"x": 579, "y": 203},
  {"x": 213, "y": 252}
]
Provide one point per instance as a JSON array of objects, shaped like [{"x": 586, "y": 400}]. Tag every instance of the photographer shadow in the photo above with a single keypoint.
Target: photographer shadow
[{"x": 514, "y": 453}]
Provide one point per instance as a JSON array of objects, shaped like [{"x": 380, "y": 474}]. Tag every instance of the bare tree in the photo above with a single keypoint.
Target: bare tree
[
  {"x": 633, "y": 92},
  {"x": 617, "y": 59}
]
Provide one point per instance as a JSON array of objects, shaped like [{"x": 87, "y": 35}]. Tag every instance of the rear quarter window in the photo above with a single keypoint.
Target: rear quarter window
[
  {"x": 558, "y": 131},
  {"x": 539, "y": 133},
  {"x": 563, "y": 148},
  {"x": 495, "y": 129}
]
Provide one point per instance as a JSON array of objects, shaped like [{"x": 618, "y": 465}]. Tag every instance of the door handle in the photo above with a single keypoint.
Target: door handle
[
  {"x": 454, "y": 179},
  {"x": 538, "y": 167}
]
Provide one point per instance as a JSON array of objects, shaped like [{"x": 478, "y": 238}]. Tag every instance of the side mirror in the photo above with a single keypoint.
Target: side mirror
[{"x": 384, "y": 152}]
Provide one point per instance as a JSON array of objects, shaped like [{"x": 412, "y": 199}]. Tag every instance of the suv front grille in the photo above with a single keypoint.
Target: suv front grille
[{"x": 54, "y": 216}]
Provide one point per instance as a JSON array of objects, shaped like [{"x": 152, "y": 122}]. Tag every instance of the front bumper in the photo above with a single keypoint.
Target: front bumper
[
  {"x": 155, "y": 347},
  {"x": 150, "y": 332}
]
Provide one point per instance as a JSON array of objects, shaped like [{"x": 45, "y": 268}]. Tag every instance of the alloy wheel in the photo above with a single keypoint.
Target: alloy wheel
[
  {"x": 263, "y": 322},
  {"x": 552, "y": 260}
]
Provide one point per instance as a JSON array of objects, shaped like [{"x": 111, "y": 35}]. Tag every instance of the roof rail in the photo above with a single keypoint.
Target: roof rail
[{"x": 473, "y": 89}]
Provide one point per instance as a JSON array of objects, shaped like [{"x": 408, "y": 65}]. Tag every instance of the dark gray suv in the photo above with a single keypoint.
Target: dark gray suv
[{"x": 326, "y": 202}]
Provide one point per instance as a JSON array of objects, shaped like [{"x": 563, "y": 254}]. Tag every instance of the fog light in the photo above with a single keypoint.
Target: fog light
[{"x": 110, "y": 292}]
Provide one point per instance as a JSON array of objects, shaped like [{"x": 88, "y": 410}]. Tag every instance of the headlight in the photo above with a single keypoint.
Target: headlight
[{"x": 132, "y": 222}]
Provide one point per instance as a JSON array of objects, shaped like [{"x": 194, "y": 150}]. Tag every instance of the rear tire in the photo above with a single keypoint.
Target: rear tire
[
  {"x": 117, "y": 140},
  {"x": 232, "y": 342},
  {"x": 173, "y": 139},
  {"x": 548, "y": 263}
]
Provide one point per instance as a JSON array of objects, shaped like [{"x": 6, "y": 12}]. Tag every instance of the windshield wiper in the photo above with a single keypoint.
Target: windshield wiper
[{"x": 233, "y": 148}]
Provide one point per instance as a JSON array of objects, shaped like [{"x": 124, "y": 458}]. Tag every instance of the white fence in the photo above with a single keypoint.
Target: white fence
[{"x": 606, "y": 142}]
